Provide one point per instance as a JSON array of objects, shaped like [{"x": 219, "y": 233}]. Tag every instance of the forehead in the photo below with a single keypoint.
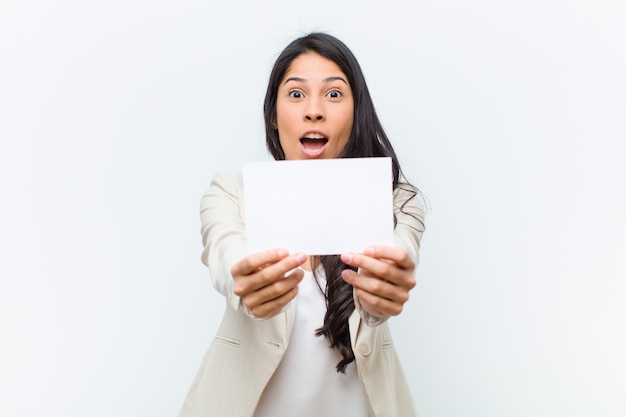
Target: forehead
[{"x": 312, "y": 66}]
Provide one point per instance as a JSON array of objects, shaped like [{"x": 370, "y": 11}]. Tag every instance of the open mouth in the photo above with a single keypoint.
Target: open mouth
[{"x": 313, "y": 143}]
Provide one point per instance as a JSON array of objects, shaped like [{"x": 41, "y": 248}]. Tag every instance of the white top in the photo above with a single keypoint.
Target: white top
[{"x": 306, "y": 383}]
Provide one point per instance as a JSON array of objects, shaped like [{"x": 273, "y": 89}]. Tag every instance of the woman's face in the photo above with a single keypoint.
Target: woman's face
[{"x": 314, "y": 109}]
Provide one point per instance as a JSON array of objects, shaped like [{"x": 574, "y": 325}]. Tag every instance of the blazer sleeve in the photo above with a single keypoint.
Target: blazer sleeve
[
  {"x": 409, "y": 209},
  {"x": 223, "y": 231}
]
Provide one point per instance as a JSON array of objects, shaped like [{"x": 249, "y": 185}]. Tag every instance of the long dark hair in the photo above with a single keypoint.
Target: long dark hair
[{"x": 367, "y": 139}]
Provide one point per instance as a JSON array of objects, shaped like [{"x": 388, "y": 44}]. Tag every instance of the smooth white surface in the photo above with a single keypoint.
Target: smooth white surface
[
  {"x": 508, "y": 115},
  {"x": 309, "y": 206}
]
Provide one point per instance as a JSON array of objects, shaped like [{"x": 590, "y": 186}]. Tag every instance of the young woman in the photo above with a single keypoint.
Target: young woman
[{"x": 328, "y": 351}]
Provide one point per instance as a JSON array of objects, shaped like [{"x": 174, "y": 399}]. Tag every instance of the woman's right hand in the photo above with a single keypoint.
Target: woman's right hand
[{"x": 261, "y": 283}]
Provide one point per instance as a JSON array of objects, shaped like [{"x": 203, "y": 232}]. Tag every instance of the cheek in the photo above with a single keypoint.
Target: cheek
[
  {"x": 347, "y": 115},
  {"x": 348, "y": 121},
  {"x": 285, "y": 119},
  {"x": 285, "y": 138}
]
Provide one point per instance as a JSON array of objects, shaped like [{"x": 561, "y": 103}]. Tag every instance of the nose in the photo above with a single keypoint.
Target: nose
[{"x": 314, "y": 110}]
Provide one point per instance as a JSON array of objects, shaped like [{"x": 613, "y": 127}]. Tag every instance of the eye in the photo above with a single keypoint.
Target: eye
[
  {"x": 295, "y": 94},
  {"x": 334, "y": 94}
]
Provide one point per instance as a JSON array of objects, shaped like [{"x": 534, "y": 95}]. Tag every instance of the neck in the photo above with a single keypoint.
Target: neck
[{"x": 311, "y": 263}]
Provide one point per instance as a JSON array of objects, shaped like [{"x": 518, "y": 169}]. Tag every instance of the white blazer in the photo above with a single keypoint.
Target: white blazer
[{"x": 245, "y": 352}]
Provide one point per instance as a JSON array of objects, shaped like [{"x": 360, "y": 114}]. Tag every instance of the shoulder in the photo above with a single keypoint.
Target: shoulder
[
  {"x": 228, "y": 183},
  {"x": 408, "y": 200},
  {"x": 226, "y": 189},
  {"x": 227, "y": 180},
  {"x": 409, "y": 209}
]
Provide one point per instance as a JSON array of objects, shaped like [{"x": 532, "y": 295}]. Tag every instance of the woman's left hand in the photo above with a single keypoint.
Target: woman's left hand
[{"x": 384, "y": 279}]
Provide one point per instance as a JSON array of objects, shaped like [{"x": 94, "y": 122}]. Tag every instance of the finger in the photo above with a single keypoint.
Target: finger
[
  {"x": 378, "y": 306},
  {"x": 393, "y": 253},
  {"x": 274, "y": 290},
  {"x": 271, "y": 273},
  {"x": 380, "y": 268},
  {"x": 376, "y": 286},
  {"x": 274, "y": 306},
  {"x": 253, "y": 262}
]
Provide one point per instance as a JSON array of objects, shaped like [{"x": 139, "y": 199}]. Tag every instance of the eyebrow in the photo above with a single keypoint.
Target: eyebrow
[{"x": 325, "y": 80}]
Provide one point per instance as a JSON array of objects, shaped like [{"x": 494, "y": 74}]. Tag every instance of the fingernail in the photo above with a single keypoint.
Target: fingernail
[
  {"x": 300, "y": 257},
  {"x": 347, "y": 257},
  {"x": 282, "y": 253},
  {"x": 369, "y": 251}
]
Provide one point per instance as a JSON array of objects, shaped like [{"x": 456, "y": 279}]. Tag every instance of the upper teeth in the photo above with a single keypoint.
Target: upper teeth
[{"x": 314, "y": 136}]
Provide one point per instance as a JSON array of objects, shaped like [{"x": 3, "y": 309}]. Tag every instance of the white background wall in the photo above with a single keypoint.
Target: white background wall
[{"x": 510, "y": 116}]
